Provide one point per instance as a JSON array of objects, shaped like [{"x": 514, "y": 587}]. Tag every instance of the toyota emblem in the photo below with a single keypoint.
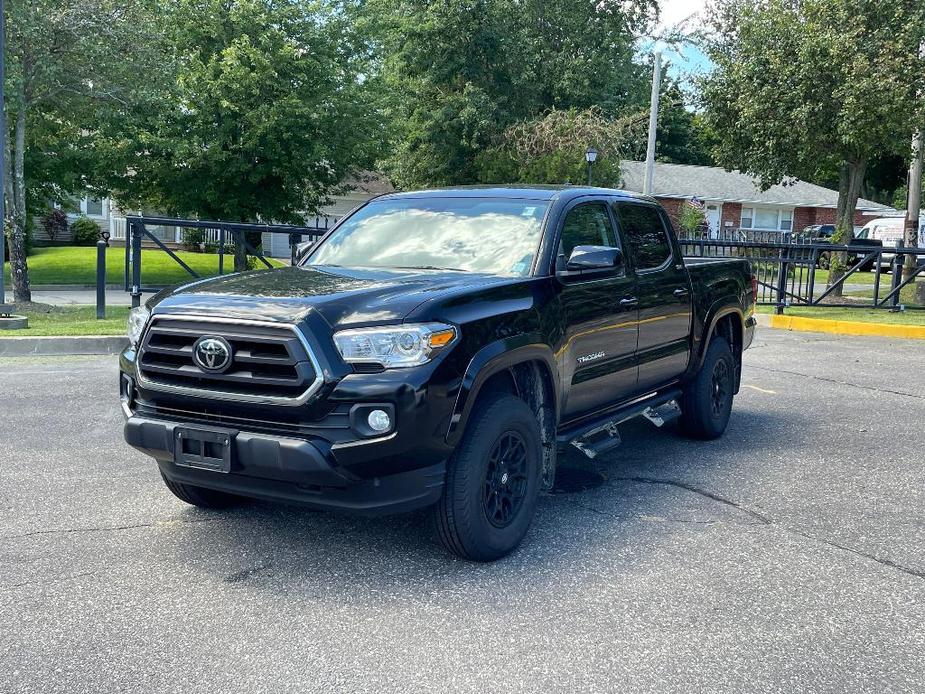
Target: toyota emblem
[{"x": 212, "y": 354}]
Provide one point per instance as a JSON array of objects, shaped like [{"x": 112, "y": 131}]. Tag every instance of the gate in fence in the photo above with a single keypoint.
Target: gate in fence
[
  {"x": 793, "y": 270},
  {"x": 219, "y": 234}
]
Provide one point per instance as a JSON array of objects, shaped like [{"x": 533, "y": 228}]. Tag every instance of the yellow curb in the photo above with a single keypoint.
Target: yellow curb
[{"x": 848, "y": 327}]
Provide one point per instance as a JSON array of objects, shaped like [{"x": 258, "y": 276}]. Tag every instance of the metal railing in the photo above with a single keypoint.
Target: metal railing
[
  {"x": 793, "y": 272},
  {"x": 221, "y": 234}
]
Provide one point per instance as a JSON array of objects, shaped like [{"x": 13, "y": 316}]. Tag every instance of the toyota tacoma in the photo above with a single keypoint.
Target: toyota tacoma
[{"x": 438, "y": 349}]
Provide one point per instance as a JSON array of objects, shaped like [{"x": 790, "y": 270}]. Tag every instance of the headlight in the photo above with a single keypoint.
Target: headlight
[
  {"x": 394, "y": 346},
  {"x": 137, "y": 319}
]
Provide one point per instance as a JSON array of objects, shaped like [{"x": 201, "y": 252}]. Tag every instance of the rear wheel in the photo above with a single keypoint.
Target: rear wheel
[
  {"x": 707, "y": 401},
  {"x": 492, "y": 481},
  {"x": 202, "y": 497}
]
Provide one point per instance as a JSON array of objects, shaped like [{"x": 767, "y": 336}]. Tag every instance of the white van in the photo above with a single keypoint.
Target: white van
[{"x": 889, "y": 230}]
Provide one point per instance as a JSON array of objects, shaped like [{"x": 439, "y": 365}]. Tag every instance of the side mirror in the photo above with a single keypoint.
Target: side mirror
[
  {"x": 303, "y": 249},
  {"x": 590, "y": 258}
]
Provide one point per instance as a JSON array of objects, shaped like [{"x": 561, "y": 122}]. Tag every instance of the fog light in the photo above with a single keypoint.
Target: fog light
[{"x": 379, "y": 420}]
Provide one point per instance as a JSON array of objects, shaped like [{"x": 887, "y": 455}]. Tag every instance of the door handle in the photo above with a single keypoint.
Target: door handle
[
  {"x": 629, "y": 302},
  {"x": 681, "y": 292}
]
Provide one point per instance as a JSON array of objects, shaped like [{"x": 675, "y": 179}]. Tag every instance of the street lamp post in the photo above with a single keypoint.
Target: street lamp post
[{"x": 590, "y": 157}]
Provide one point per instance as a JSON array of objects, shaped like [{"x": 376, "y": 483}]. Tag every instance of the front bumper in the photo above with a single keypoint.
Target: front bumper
[{"x": 289, "y": 470}]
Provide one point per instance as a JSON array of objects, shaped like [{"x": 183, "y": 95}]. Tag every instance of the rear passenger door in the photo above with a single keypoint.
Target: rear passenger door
[
  {"x": 598, "y": 314},
  {"x": 664, "y": 292}
]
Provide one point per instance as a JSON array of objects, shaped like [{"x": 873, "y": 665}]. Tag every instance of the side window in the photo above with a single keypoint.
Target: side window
[
  {"x": 585, "y": 225},
  {"x": 645, "y": 233}
]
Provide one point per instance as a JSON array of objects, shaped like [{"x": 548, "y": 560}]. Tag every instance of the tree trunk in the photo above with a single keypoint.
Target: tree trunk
[
  {"x": 850, "y": 180},
  {"x": 240, "y": 253},
  {"x": 19, "y": 268}
]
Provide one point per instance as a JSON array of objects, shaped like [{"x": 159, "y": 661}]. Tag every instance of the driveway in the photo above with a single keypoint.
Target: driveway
[{"x": 788, "y": 556}]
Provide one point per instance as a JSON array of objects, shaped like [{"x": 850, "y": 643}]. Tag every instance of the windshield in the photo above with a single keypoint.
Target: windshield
[{"x": 496, "y": 236}]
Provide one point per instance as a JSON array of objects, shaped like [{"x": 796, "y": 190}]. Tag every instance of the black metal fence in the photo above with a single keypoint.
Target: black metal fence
[
  {"x": 792, "y": 269},
  {"x": 223, "y": 233}
]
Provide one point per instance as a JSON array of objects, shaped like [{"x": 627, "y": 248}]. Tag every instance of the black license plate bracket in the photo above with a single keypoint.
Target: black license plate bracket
[{"x": 203, "y": 449}]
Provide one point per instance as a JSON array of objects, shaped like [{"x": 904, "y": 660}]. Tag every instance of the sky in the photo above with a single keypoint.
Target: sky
[{"x": 685, "y": 60}]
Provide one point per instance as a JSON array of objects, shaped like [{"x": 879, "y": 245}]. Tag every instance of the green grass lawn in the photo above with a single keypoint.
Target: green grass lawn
[
  {"x": 864, "y": 315},
  {"x": 77, "y": 265},
  {"x": 69, "y": 320}
]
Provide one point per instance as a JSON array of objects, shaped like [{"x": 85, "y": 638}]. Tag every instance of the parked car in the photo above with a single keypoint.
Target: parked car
[
  {"x": 822, "y": 233},
  {"x": 436, "y": 349},
  {"x": 889, "y": 233}
]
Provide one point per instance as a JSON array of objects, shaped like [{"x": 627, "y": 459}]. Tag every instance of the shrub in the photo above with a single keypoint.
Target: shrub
[
  {"x": 86, "y": 231},
  {"x": 692, "y": 218},
  {"x": 54, "y": 222},
  {"x": 192, "y": 240}
]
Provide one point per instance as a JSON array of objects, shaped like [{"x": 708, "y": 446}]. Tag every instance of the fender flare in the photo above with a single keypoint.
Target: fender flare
[
  {"x": 720, "y": 309},
  {"x": 490, "y": 360}
]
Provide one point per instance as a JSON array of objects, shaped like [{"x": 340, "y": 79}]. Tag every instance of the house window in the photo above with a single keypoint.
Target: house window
[
  {"x": 769, "y": 218},
  {"x": 93, "y": 207},
  {"x": 786, "y": 220}
]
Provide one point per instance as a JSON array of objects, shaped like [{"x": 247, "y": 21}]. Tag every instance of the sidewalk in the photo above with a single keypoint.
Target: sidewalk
[{"x": 114, "y": 297}]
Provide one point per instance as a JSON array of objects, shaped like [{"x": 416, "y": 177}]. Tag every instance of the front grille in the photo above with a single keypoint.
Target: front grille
[{"x": 270, "y": 363}]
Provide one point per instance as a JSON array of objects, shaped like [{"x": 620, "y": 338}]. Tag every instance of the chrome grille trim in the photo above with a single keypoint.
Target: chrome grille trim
[{"x": 229, "y": 395}]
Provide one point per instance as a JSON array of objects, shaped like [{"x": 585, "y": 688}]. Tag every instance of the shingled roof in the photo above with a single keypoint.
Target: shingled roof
[{"x": 713, "y": 183}]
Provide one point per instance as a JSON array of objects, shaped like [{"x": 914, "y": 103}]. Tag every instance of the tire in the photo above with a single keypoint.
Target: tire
[
  {"x": 492, "y": 481},
  {"x": 707, "y": 401},
  {"x": 202, "y": 497}
]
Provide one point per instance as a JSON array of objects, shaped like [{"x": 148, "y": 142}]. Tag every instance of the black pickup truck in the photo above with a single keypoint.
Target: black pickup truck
[{"x": 437, "y": 349}]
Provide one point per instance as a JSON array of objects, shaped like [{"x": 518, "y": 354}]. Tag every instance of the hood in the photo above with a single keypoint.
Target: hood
[{"x": 345, "y": 297}]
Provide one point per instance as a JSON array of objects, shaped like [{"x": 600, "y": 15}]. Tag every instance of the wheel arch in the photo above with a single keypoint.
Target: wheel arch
[
  {"x": 728, "y": 320},
  {"x": 527, "y": 371}
]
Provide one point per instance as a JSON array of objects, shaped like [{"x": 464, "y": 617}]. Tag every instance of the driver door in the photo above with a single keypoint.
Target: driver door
[{"x": 599, "y": 316}]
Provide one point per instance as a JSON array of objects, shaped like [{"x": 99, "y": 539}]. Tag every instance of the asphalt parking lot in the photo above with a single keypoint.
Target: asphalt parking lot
[{"x": 788, "y": 556}]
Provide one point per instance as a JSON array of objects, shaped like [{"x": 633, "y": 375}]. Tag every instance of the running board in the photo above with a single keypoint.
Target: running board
[{"x": 601, "y": 434}]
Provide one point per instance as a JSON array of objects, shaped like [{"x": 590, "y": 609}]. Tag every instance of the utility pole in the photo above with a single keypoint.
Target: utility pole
[
  {"x": 913, "y": 204},
  {"x": 653, "y": 122}
]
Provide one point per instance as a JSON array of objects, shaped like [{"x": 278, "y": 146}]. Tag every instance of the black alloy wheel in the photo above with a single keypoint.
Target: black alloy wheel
[{"x": 505, "y": 484}]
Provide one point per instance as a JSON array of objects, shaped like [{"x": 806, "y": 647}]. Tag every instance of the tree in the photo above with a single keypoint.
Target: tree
[
  {"x": 67, "y": 62},
  {"x": 458, "y": 73},
  {"x": 266, "y": 114},
  {"x": 551, "y": 149},
  {"x": 682, "y": 137},
  {"x": 804, "y": 88}
]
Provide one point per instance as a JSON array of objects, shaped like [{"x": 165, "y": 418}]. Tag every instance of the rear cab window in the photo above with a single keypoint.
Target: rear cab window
[{"x": 645, "y": 233}]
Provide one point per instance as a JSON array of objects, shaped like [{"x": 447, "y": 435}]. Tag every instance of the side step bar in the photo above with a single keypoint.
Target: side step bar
[{"x": 601, "y": 434}]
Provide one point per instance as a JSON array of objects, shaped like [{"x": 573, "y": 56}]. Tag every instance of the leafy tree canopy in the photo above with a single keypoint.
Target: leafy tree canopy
[
  {"x": 458, "y": 73},
  {"x": 265, "y": 114},
  {"x": 803, "y": 89}
]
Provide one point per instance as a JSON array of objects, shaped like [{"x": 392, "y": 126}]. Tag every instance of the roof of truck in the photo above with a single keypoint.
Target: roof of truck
[{"x": 518, "y": 191}]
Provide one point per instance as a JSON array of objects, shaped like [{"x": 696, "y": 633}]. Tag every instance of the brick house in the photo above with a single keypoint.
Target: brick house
[{"x": 733, "y": 200}]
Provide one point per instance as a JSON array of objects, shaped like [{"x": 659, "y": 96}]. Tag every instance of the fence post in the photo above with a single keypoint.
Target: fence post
[
  {"x": 101, "y": 245},
  {"x": 128, "y": 254},
  {"x": 221, "y": 250},
  {"x": 896, "y": 281},
  {"x": 781, "y": 283},
  {"x": 136, "y": 263}
]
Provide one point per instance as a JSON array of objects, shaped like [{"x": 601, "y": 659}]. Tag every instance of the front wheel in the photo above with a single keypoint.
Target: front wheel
[
  {"x": 492, "y": 481},
  {"x": 707, "y": 400}
]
